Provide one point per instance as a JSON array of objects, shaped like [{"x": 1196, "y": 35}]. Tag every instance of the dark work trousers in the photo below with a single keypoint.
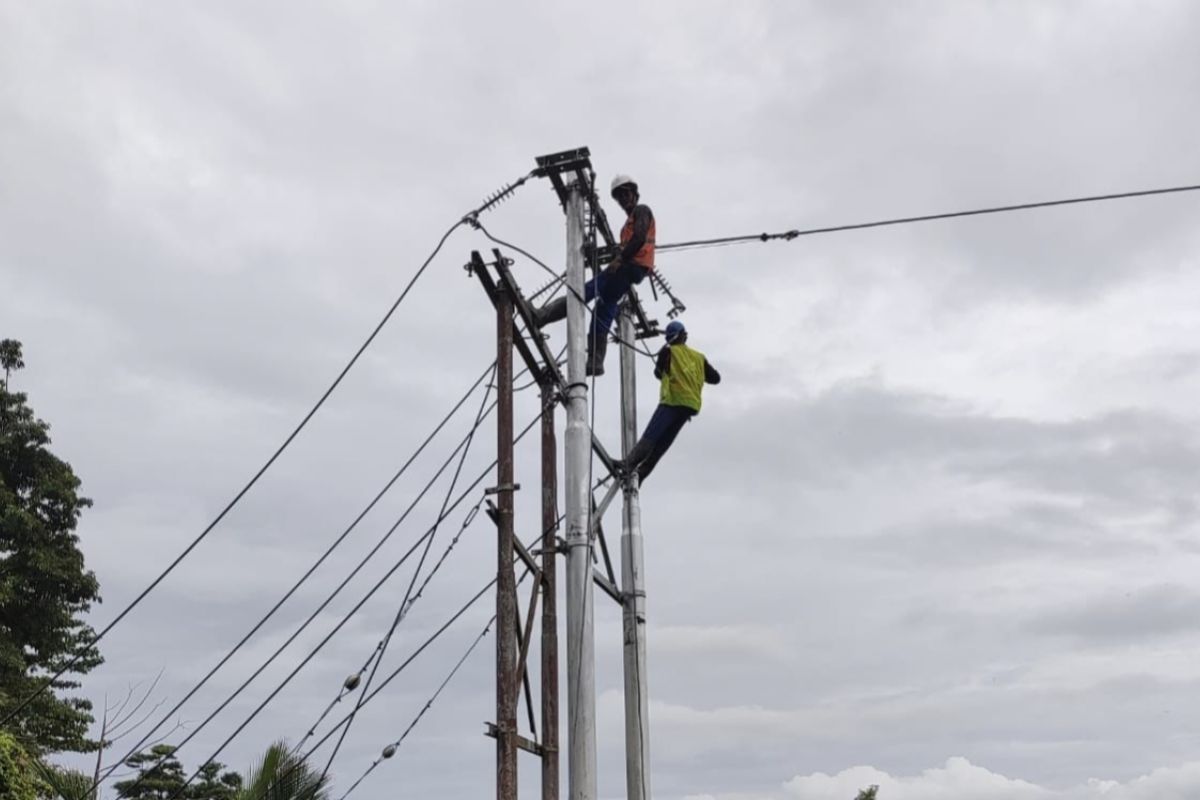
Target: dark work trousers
[
  {"x": 660, "y": 433},
  {"x": 611, "y": 286}
]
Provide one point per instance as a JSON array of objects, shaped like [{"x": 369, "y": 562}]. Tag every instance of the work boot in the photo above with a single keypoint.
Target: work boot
[
  {"x": 551, "y": 312},
  {"x": 598, "y": 345},
  {"x": 624, "y": 467}
]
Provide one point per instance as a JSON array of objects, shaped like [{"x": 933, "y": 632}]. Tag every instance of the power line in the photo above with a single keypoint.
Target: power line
[
  {"x": 472, "y": 218},
  {"x": 558, "y": 280},
  {"x": 304, "y": 578},
  {"x": 390, "y": 750},
  {"x": 345, "y": 581},
  {"x": 402, "y": 611},
  {"x": 793, "y": 234},
  {"x": 246, "y": 488},
  {"x": 350, "y": 614},
  {"x": 367, "y": 699}
]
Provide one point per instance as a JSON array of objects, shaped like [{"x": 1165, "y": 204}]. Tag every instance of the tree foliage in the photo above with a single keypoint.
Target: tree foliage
[
  {"x": 870, "y": 793},
  {"x": 18, "y": 771},
  {"x": 279, "y": 775},
  {"x": 10, "y": 357},
  {"x": 160, "y": 776},
  {"x": 283, "y": 775},
  {"x": 44, "y": 586}
]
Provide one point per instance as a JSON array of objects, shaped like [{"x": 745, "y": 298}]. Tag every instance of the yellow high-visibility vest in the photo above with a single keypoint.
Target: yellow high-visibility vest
[{"x": 683, "y": 382}]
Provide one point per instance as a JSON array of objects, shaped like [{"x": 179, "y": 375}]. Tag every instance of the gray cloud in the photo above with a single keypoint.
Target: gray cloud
[{"x": 893, "y": 535}]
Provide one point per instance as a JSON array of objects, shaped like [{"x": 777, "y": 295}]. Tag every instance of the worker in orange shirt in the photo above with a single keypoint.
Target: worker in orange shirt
[{"x": 632, "y": 264}]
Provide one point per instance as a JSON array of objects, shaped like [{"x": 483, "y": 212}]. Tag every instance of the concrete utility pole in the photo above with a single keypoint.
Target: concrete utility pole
[
  {"x": 633, "y": 588},
  {"x": 581, "y": 645},
  {"x": 549, "y": 680}
]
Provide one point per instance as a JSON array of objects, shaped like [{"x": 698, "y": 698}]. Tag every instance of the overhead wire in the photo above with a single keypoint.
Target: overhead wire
[
  {"x": 312, "y": 569},
  {"x": 354, "y": 572},
  {"x": 390, "y": 750},
  {"x": 558, "y": 279},
  {"x": 794, "y": 234},
  {"x": 471, "y": 218},
  {"x": 346, "y": 618},
  {"x": 179, "y": 792},
  {"x": 74, "y": 660},
  {"x": 405, "y": 603}
]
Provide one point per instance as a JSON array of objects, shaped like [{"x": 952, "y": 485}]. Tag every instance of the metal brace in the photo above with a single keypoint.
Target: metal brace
[{"x": 504, "y": 487}]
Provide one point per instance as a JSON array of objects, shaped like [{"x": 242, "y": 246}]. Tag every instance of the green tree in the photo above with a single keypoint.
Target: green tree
[
  {"x": 65, "y": 784},
  {"x": 160, "y": 776},
  {"x": 18, "y": 771},
  {"x": 10, "y": 357},
  {"x": 283, "y": 775},
  {"x": 213, "y": 783},
  {"x": 44, "y": 586},
  {"x": 870, "y": 793}
]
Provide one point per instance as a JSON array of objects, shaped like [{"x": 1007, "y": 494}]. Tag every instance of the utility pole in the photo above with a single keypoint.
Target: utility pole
[
  {"x": 633, "y": 586},
  {"x": 506, "y": 589},
  {"x": 549, "y": 677},
  {"x": 581, "y": 645}
]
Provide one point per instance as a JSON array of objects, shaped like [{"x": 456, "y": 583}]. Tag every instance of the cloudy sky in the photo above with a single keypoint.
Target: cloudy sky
[{"x": 935, "y": 530}]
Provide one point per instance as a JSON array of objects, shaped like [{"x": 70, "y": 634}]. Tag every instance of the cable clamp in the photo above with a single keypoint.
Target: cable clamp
[{"x": 504, "y": 487}]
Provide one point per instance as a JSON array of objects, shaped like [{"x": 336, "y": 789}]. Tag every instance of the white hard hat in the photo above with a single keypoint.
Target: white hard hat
[{"x": 623, "y": 180}]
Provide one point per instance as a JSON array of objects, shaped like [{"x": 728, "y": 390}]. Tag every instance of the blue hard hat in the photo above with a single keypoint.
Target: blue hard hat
[{"x": 674, "y": 330}]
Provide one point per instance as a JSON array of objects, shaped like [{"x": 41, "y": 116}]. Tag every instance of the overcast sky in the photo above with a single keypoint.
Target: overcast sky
[{"x": 936, "y": 530}]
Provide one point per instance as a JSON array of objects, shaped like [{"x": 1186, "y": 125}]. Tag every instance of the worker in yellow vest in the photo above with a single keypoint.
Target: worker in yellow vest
[
  {"x": 683, "y": 372},
  {"x": 633, "y": 262}
]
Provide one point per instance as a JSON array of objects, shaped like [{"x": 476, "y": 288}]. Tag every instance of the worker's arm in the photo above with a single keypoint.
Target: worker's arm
[
  {"x": 662, "y": 364},
  {"x": 642, "y": 217},
  {"x": 710, "y": 373}
]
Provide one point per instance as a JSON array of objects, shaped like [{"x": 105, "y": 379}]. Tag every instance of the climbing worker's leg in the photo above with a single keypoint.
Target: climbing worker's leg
[
  {"x": 613, "y": 286},
  {"x": 672, "y": 423},
  {"x": 556, "y": 310}
]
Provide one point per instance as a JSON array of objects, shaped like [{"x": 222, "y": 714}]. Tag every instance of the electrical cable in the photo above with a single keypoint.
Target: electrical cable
[
  {"x": 241, "y": 493},
  {"x": 351, "y": 613},
  {"x": 405, "y": 603},
  {"x": 559, "y": 279},
  {"x": 303, "y": 578},
  {"x": 362, "y": 563},
  {"x": 390, "y": 750},
  {"x": 793, "y": 234}
]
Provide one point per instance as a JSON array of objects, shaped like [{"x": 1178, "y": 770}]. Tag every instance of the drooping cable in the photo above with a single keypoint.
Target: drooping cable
[
  {"x": 559, "y": 280},
  {"x": 304, "y": 578},
  {"x": 405, "y": 604},
  {"x": 329, "y": 599},
  {"x": 320, "y": 645},
  {"x": 73, "y": 661},
  {"x": 390, "y": 750}
]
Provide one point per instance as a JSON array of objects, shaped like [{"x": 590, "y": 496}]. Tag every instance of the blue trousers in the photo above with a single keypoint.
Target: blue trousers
[
  {"x": 658, "y": 437},
  {"x": 608, "y": 288}
]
